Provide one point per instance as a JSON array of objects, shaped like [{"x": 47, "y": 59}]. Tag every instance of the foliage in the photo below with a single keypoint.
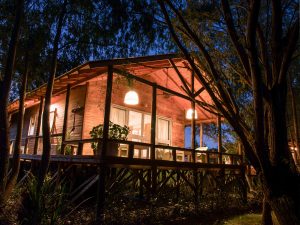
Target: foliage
[
  {"x": 46, "y": 207},
  {"x": 68, "y": 148},
  {"x": 241, "y": 53},
  {"x": 115, "y": 131},
  {"x": 92, "y": 30}
]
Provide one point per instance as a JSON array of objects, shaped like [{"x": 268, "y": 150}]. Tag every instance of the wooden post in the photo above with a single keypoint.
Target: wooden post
[
  {"x": 37, "y": 132},
  {"x": 153, "y": 171},
  {"x": 85, "y": 105},
  {"x": 219, "y": 139},
  {"x": 65, "y": 123},
  {"x": 193, "y": 133},
  {"x": 25, "y": 146},
  {"x": 80, "y": 148},
  {"x": 177, "y": 185},
  {"x": 102, "y": 146},
  {"x": 130, "y": 151},
  {"x": 193, "y": 123},
  {"x": 201, "y": 134},
  {"x": 153, "y": 122},
  {"x": 153, "y": 180}
]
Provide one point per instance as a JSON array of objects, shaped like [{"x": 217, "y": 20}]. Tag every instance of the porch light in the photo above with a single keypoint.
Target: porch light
[
  {"x": 131, "y": 98},
  {"x": 189, "y": 114}
]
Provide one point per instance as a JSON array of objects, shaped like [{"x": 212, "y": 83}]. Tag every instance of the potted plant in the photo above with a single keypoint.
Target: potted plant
[{"x": 115, "y": 131}]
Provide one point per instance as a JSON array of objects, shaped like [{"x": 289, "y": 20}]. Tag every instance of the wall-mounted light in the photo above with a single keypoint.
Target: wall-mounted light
[
  {"x": 131, "y": 98},
  {"x": 190, "y": 113},
  {"x": 53, "y": 107}
]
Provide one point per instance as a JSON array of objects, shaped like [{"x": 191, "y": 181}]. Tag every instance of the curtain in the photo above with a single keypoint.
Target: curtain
[
  {"x": 163, "y": 131},
  {"x": 31, "y": 125},
  {"x": 118, "y": 116}
]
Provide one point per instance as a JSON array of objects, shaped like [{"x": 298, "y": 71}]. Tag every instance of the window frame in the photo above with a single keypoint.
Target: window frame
[
  {"x": 142, "y": 138},
  {"x": 32, "y": 127}
]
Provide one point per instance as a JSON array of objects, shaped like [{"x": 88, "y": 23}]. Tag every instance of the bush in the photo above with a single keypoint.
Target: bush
[
  {"x": 115, "y": 131},
  {"x": 44, "y": 207}
]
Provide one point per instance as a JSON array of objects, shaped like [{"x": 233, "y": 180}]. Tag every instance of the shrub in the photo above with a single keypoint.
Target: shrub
[{"x": 115, "y": 131}]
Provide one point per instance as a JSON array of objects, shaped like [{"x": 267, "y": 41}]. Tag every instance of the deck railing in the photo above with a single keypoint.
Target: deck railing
[{"x": 133, "y": 150}]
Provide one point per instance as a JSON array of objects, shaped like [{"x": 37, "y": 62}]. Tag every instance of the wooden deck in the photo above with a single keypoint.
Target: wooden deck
[
  {"x": 123, "y": 162},
  {"x": 179, "y": 158}
]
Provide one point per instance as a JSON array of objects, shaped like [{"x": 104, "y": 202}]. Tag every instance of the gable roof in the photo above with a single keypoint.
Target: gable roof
[
  {"x": 157, "y": 66},
  {"x": 88, "y": 70}
]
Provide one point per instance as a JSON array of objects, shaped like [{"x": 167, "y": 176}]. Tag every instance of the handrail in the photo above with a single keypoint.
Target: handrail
[
  {"x": 131, "y": 145},
  {"x": 40, "y": 136}
]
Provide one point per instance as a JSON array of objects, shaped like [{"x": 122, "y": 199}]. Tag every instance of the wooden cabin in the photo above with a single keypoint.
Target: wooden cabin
[{"x": 94, "y": 93}]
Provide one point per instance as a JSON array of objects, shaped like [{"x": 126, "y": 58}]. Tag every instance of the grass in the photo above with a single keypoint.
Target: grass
[{"x": 247, "y": 219}]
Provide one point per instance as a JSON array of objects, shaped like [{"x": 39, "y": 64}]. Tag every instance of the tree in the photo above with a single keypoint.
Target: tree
[
  {"x": 250, "y": 44},
  {"x": 5, "y": 84}
]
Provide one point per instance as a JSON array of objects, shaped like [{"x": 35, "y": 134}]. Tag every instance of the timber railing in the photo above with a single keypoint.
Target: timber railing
[{"x": 129, "y": 152}]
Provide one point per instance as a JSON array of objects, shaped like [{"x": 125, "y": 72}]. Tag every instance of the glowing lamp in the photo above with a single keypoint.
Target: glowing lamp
[
  {"x": 190, "y": 113},
  {"x": 131, "y": 98}
]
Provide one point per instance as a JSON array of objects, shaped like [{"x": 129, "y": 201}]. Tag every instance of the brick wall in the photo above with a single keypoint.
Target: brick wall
[{"x": 92, "y": 97}]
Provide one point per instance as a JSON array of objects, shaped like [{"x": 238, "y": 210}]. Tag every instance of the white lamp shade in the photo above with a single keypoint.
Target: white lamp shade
[
  {"x": 189, "y": 114},
  {"x": 131, "y": 98}
]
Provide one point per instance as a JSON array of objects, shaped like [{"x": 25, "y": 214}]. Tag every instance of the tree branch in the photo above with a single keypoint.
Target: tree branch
[
  {"x": 208, "y": 59},
  {"x": 234, "y": 37},
  {"x": 248, "y": 148},
  {"x": 287, "y": 57},
  {"x": 276, "y": 38}
]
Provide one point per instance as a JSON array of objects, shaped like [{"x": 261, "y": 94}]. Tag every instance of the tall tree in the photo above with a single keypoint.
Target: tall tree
[
  {"x": 250, "y": 44},
  {"x": 5, "y": 84},
  {"x": 46, "y": 114},
  {"x": 17, "y": 146}
]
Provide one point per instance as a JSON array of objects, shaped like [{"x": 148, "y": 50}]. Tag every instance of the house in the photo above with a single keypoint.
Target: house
[{"x": 154, "y": 96}]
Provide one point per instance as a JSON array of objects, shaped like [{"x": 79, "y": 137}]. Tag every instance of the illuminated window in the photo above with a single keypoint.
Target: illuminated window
[
  {"x": 163, "y": 131},
  {"x": 31, "y": 125},
  {"x": 139, "y": 124}
]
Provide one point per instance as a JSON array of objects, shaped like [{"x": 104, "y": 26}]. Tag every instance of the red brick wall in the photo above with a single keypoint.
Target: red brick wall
[
  {"x": 167, "y": 106},
  {"x": 76, "y": 101},
  {"x": 94, "y": 108}
]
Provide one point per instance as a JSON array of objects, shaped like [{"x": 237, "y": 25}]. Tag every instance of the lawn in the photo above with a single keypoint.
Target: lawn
[{"x": 247, "y": 219}]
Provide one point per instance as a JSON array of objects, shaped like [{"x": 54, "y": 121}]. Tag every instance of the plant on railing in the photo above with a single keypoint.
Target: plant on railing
[
  {"x": 67, "y": 150},
  {"x": 115, "y": 131}
]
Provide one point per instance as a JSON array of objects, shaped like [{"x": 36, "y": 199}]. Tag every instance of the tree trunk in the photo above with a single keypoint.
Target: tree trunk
[
  {"x": 16, "y": 155},
  {"x": 46, "y": 126},
  {"x": 295, "y": 120},
  {"x": 282, "y": 185},
  {"x": 266, "y": 214},
  {"x": 4, "y": 94}
]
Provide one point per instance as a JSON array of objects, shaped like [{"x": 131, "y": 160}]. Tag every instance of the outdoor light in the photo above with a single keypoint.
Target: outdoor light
[
  {"x": 189, "y": 114},
  {"x": 131, "y": 98}
]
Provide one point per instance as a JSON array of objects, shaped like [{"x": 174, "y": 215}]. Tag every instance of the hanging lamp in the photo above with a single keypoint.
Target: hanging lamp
[
  {"x": 189, "y": 114},
  {"x": 131, "y": 98}
]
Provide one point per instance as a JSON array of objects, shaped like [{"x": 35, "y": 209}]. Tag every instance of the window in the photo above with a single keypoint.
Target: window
[
  {"x": 31, "y": 125},
  {"x": 135, "y": 123},
  {"x": 163, "y": 131},
  {"x": 52, "y": 122},
  {"x": 147, "y": 128},
  {"x": 118, "y": 116},
  {"x": 52, "y": 119},
  {"x": 139, "y": 124}
]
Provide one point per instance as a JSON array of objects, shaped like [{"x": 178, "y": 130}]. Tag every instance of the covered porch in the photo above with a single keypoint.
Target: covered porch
[{"x": 165, "y": 99}]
